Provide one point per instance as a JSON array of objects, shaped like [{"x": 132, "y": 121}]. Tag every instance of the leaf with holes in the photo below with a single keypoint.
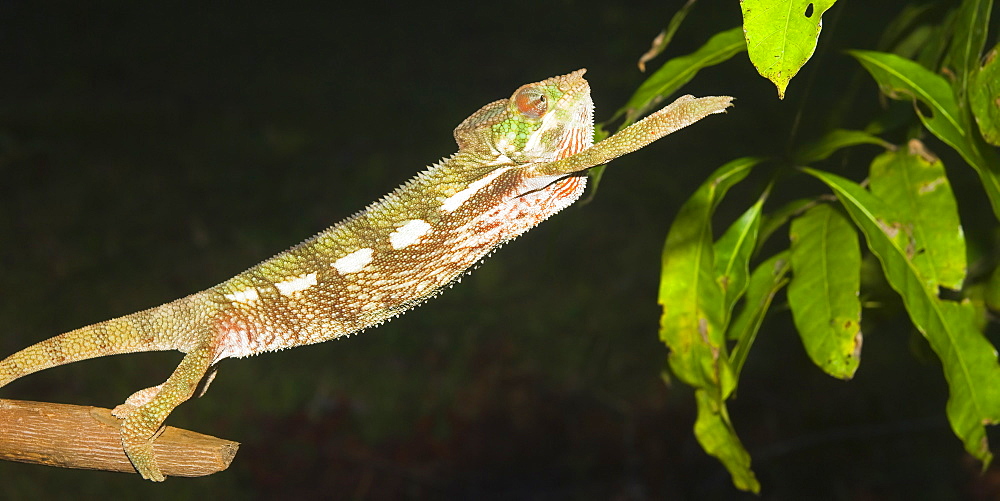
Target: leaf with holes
[
  {"x": 913, "y": 182},
  {"x": 781, "y": 36},
  {"x": 904, "y": 79},
  {"x": 823, "y": 293},
  {"x": 968, "y": 359}
]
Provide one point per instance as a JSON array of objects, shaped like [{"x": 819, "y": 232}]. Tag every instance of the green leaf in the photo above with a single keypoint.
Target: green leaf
[
  {"x": 932, "y": 52},
  {"x": 831, "y": 142},
  {"x": 901, "y": 78},
  {"x": 907, "y": 20},
  {"x": 968, "y": 359},
  {"x": 680, "y": 70},
  {"x": 920, "y": 38},
  {"x": 971, "y": 23},
  {"x": 693, "y": 301},
  {"x": 898, "y": 77},
  {"x": 732, "y": 254},
  {"x": 913, "y": 183},
  {"x": 902, "y": 27},
  {"x": 823, "y": 293},
  {"x": 781, "y": 36},
  {"x": 715, "y": 433},
  {"x": 765, "y": 282},
  {"x": 984, "y": 97},
  {"x": 992, "y": 293},
  {"x": 976, "y": 296},
  {"x": 662, "y": 40},
  {"x": 694, "y": 317}
]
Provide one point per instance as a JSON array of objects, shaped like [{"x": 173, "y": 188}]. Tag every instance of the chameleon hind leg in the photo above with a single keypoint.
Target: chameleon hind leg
[{"x": 145, "y": 411}]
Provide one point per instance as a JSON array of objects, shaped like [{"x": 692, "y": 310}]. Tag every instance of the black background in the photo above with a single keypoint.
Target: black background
[{"x": 149, "y": 151}]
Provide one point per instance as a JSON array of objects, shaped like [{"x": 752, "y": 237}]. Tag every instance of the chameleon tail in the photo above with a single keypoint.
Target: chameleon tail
[{"x": 150, "y": 330}]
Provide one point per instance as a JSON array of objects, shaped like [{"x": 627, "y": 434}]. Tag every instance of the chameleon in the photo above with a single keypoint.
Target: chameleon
[{"x": 519, "y": 161}]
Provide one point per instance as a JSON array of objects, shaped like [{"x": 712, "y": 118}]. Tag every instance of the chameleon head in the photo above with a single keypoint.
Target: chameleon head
[{"x": 547, "y": 120}]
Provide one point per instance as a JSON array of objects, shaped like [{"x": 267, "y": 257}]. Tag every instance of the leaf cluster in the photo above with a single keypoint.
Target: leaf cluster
[{"x": 717, "y": 293}]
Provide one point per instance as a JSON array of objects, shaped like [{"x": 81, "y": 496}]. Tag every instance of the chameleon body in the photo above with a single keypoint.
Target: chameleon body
[{"x": 520, "y": 160}]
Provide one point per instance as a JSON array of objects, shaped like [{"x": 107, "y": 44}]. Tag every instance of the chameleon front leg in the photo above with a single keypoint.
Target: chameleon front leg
[
  {"x": 684, "y": 111},
  {"x": 146, "y": 410}
]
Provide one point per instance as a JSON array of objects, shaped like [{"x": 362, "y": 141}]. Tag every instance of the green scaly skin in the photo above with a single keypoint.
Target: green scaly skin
[{"x": 520, "y": 160}]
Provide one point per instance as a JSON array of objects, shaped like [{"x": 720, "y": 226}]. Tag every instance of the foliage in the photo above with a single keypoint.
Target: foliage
[
  {"x": 781, "y": 36},
  {"x": 714, "y": 306}
]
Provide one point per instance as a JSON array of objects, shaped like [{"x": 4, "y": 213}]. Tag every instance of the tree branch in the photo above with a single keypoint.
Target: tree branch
[{"x": 74, "y": 436}]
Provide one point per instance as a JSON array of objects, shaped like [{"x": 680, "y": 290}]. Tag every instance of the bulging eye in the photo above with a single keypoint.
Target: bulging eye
[{"x": 531, "y": 102}]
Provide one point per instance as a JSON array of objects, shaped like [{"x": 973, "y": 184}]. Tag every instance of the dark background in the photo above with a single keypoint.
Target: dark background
[{"x": 147, "y": 152}]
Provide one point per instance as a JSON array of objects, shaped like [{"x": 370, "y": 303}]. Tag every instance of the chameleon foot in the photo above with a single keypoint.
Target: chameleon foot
[
  {"x": 146, "y": 410},
  {"x": 137, "y": 439},
  {"x": 136, "y": 400}
]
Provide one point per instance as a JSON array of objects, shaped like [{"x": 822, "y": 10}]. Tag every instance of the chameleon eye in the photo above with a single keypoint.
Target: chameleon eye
[{"x": 532, "y": 103}]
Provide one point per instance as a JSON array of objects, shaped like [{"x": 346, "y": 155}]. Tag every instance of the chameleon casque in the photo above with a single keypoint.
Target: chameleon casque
[{"x": 520, "y": 160}]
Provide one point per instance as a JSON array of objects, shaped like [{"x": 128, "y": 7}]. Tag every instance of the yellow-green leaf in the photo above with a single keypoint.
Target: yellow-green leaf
[
  {"x": 781, "y": 36},
  {"x": 823, "y": 293},
  {"x": 694, "y": 317},
  {"x": 912, "y": 181},
  {"x": 968, "y": 359},
  {"x": 693, "y": 301},
  {"x": 716, "y": 435}
]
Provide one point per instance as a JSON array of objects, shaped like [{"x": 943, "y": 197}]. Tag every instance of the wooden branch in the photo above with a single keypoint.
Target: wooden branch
[{"x": 75, "y": 436}]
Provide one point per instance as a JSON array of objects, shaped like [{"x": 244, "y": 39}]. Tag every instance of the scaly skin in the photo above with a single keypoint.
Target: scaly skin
[{"x": 520, "y": 160}]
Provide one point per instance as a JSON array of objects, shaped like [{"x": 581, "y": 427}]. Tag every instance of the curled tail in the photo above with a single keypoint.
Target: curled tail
[{"x": 157, "y": 329}]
